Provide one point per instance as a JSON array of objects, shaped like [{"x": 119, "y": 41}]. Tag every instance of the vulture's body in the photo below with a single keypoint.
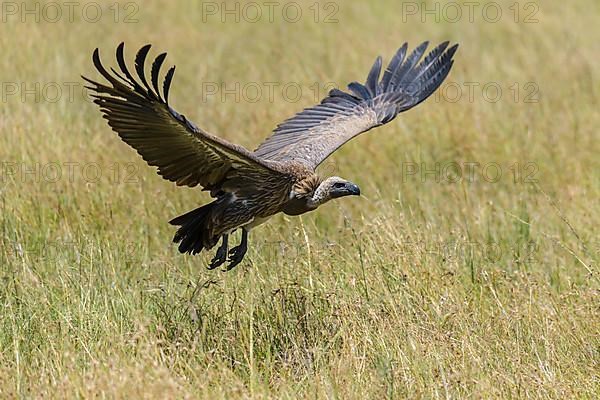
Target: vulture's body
[{"x": 279, "y": 176}]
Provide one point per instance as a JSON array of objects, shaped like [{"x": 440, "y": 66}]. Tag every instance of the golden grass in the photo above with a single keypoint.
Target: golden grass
[{"x": 420, "y": 289}]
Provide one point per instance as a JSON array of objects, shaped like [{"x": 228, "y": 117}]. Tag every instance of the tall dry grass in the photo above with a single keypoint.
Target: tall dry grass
[{"x": 431, "y": 285}]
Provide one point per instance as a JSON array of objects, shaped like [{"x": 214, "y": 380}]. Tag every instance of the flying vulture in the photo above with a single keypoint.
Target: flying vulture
[{"x": 279, "y": 176}]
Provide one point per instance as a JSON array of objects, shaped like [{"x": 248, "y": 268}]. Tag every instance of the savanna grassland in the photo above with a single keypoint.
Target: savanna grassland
[{"x": 468, "y": 268}]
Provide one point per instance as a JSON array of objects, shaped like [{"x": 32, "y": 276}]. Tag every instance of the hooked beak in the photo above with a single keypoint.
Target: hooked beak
[
  {"x": 353, "y": 189},
  {"x": 342, "y": 189},
  {"x": 349, "y": 189}
]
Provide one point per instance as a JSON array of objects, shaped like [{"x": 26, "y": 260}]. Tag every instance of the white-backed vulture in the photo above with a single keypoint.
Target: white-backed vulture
[{"x": 279, "y": 176}]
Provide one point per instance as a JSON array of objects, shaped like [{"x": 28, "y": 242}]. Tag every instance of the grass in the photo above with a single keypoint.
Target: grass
[{"x": 426, "y": 287}]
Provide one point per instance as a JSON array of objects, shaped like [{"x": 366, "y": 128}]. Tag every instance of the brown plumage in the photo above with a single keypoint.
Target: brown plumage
[{"x": 250, "y": 187}]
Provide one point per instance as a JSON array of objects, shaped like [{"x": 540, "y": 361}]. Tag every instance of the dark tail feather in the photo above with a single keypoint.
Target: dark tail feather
[{"x": 192, "y": 235}]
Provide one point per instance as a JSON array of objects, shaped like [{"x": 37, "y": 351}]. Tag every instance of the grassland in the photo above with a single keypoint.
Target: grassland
[{"x": 431, "y": 285}]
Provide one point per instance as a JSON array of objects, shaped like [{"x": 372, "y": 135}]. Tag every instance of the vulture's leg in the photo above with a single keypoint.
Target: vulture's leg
[
  {"x": 221, "y": 255},
  {"x": 236, "y": 255}
]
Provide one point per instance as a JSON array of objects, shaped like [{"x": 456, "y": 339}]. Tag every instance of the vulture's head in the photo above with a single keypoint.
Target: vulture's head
[{"x": 334, "y": 187}]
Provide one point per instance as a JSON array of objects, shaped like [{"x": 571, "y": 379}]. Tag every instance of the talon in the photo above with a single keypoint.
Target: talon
[
  {"x": 216, "y": 261},
  {"x": 221, "y": 255},
  {"x": 238, "y": 252}
]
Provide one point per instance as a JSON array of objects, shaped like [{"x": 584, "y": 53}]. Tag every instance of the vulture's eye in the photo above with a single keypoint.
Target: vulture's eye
[{"x": 339, "y": 185}]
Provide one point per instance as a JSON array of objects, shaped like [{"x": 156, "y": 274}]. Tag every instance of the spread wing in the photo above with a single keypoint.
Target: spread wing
[
  {"x": 183, "y": 153},
  {"x": 313, "y": 134}
]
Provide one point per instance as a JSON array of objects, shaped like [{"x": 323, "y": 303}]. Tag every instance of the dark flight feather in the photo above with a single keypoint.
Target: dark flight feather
[{"x": 316, "y": 132}]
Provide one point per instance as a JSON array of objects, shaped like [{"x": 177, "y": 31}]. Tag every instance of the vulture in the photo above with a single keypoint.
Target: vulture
[{"x": 249, "y": 187}]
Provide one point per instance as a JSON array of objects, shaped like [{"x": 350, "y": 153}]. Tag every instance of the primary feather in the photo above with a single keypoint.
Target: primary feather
[{"x": 313, "y": 134}]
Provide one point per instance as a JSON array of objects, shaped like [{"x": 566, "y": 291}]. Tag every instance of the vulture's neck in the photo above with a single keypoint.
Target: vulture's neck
[{"x": 305, "y": 196}]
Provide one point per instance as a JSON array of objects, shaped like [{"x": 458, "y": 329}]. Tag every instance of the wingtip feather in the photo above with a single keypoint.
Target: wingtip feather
[{"x": 167, "y": 83}]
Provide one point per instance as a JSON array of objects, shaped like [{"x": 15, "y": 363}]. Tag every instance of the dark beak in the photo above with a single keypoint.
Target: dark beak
[
  {"x": 353, "y": 189},
  {"x": 349, "y": 189}
]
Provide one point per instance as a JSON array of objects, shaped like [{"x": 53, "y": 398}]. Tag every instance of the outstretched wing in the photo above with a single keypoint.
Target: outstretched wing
[
  {"x": 183, "y": 153},
  {"x": 313, "y": 134}
]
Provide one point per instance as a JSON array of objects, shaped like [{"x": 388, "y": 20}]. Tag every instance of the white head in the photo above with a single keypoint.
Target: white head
[{"x": 332, "y": 188}]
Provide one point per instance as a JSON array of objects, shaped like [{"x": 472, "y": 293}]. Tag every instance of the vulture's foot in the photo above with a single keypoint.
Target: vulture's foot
[
  {"x": 236, "y": 255},
  {"x": 220, "y": 256}
]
